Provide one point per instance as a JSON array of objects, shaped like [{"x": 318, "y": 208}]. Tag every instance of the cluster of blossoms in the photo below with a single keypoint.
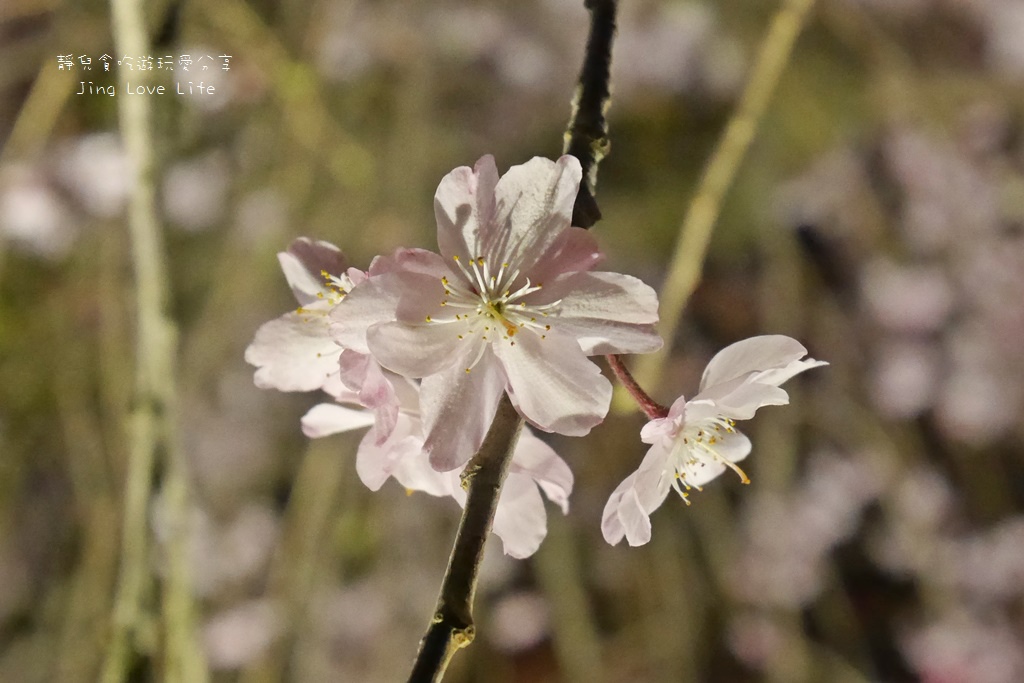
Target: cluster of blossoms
[{"x": 421, "y": 348}]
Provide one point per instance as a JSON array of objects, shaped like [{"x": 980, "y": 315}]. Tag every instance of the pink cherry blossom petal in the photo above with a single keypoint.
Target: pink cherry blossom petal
[
  {"x": 464, "y": 209},
  {"x": 421, "y": 350},
  {"x": 738, "y": 399},
  {"x": 520, "y": 520},
  {"x": 553, "y": 384},
  {"x": 303, "y": 263},
  {"x": 658, "y": 428},
  {"x": 601, "y": 296},
  {"x": 360, "y": 372},
  {"x": 533, "y": 207},
  {"x": 457, "y": 408},
  {"x": 330, "y": 418},
  {"x": 627, "y": 513},
  {"x": 751, "y": 355},
  {"x": 539, "y": 461},
  {"x": 779, "y": 375},
  {"x": 293, "y": 353},
  {"x": 370, "y": 303},
  {"x": 575, "y": 250}
]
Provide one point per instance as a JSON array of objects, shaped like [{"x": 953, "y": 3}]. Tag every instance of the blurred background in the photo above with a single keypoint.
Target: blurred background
[{"x": 879, "y": 218}]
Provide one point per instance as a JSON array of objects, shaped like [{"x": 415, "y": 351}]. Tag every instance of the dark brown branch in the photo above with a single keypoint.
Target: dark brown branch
[
  {"x": 587, "y": 135},
  {"x": 452, "y": 626}
]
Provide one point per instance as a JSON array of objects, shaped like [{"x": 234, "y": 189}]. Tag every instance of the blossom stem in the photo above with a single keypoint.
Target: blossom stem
[
  {"x": 452, "y": 627},
  {"x": 587, "y": 135},
  {"x": 651, "y": 408}
]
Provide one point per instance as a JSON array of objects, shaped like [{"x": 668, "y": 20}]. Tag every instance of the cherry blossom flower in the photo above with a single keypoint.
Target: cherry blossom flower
[
  {"x": 697, "y": 440},
  {"x": 510, "y": 304},
  {"x": 519, "y": 520},
  {"x": 296, "y": 352}
]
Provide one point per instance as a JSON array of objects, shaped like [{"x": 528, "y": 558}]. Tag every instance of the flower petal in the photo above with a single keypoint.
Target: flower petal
[
  {"x": 777, "y": 376},
  {"x": 738, "y": 399},
  {"x": 372, "y": 302},
  {"x": 605, "y": 312},
  {"x": 574, "y": 250},
  {"x": 751, "y": 355},
  {"x": 457, "y": 408},
  {"x": 533, "y": 207},
  {"x": 553, "y": 384},
  {"x": 601, "y": 296},
  {"x": 399, "y": 456},
  {"x": 361, "y": 373},
  {"x": 293, "y": 353},
  {"x": 303, "y": 263},
  {"x": 415, "y": 474},
  {"x": 520, "y": 520},
  {"x": 658, "y": 428},
  {"x": 422, "y": 350},
  {"x": 627, "y": 513},
  {"x": 540, "y": 462},
  {"x": 325, "y": 419},
  {"x": 464, "y": 209},
  {"x": 409, "y": 259}
]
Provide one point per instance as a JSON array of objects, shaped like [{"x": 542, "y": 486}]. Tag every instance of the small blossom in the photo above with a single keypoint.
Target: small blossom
[
  {"x": 519, "y": 520},
  {"x": 697, "y": 440},
  {"x": 510, "y": 304},
  {"x": 296, "y": 352}
]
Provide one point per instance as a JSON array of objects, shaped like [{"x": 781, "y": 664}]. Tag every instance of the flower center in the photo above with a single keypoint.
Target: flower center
[
  {"x": 695, "y": 447},
  {"x": 487, "y": 304},
  {"x": 334, "y": 289}
]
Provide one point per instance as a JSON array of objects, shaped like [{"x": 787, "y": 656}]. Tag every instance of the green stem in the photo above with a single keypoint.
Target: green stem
[
  {"x": 153, "y": 425},
  {"x": 695, "y": 233}
]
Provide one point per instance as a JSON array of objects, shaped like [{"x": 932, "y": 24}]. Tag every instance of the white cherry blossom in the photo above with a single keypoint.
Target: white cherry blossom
[
  {"x": 697, "y": 440},
  {"x": 510, "y": 304}
]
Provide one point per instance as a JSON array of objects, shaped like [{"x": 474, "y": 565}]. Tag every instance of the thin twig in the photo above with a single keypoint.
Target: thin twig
[
  {"x": 587, "y": 135},
  {"x": 452, "y": 627},
  {"x": 695, "y": 232},
  {"x": 651, "y": 408}
]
